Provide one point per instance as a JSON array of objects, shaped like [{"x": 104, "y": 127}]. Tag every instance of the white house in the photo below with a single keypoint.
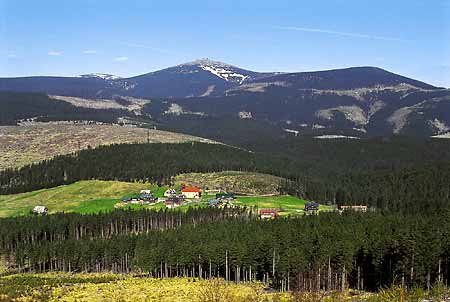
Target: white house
[
  {"x": 40, "y": 210},
  {"x": 191, "y": 192}
]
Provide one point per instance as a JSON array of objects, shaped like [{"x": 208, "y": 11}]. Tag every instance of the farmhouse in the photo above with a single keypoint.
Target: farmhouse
[
  {"x": 354, "y": 208},
  {"x": 41, "y": 210},
  {"x": 170, "y": 192},
  {"x": 268, "y": 213},
  {"x": 191, "y": 192},
  {"x": 311, "y": 207},
  {"x": 173, "y": 202},
  {"x": 147, "y": 197}
]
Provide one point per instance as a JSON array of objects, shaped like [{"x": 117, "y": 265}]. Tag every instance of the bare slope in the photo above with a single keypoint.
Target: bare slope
[
  {"x": 21, "y": 145},
  {"x": 233, "y": 181}
]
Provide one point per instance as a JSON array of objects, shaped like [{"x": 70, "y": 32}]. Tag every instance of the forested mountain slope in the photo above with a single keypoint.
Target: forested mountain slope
[
  {"x": 393, "y": 184},
  {"x": 366, "y": 100}
]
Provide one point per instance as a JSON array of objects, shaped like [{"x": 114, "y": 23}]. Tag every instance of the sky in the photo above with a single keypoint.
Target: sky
[{"x": 127, "y": 38}]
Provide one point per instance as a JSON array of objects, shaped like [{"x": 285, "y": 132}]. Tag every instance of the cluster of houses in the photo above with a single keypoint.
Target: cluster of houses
[
  {"x": 144, "y": 197},
  {"x": 171, "y": 199},
  {"x": 222, "y": 200},
  {"x": 309, "y": 209}
]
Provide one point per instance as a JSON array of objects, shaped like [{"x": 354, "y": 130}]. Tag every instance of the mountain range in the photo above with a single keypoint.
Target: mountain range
[{"x": 366, "y": 101}]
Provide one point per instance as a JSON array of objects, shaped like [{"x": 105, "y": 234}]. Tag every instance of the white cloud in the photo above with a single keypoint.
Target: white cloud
[
  {"x": 121, "y": 59},
  {"x": 55, "y": 53},
  {"x": 341, "y": 33},
  {"x": 90, "y": 52},
  {"x": 12, "y": 56}
]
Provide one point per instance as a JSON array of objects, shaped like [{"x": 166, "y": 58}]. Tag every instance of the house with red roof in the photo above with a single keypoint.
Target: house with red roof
[
  {"x": 268, "y": 213},
  {"x": 191, "y": 192}
]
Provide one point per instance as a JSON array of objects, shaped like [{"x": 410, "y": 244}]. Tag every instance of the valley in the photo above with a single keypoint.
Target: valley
[{"x": 224, "y": 151}]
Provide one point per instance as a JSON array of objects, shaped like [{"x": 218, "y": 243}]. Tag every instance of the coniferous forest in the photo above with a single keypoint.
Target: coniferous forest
[
  {"x": 327, "y": 251},
  {"x": 405, "y": 239}
]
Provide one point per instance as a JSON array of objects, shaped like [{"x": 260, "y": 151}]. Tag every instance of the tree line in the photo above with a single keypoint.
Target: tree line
[{"x": 327, "y": 251}]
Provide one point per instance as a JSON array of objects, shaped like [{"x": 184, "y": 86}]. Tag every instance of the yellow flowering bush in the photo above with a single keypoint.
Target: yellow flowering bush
[{"x": 66, "y": 287}]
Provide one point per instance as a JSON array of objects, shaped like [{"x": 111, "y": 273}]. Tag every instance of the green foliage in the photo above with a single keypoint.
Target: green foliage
[{"x": 352, "y": 248}]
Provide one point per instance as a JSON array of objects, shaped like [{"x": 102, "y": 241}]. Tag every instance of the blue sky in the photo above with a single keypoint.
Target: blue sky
[{"x": 410, "y": 37}]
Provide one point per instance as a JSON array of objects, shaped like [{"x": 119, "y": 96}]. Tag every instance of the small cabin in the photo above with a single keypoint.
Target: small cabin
[
  {"x": 268, "y": 213},
  {"x": 170, "y": 192},
  {"x": 173, "y": 202},
  {"x": 311, "y": 207},
  {"x": 225, "y": 196},
  {"x": 126, "y": 199},
  {"x": 145, "y": 192},
  {"x": 40, "y": 210},
  {"x": 355, "y": 208}
]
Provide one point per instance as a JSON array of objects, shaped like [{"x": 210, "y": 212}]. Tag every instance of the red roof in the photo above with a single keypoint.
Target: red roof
[
  {"x": 269, "y": 211},
  {"x": 191, "y": 189}
]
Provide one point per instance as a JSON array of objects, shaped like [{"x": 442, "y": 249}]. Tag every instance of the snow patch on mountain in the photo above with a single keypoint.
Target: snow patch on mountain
[
  {"x": 103, "y": 76},
  {"x": 224, "y": 71},
  {"x": 225, "y": 74},
  {"x": 332, "y": 136}
]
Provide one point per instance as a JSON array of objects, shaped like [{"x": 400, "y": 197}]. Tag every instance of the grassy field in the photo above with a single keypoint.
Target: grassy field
[
  {"x": 83, "y": 197},
  {"x": 95, "y": 196},
  {"x": 83, "y": 287},
  {"x": 288, "y": 205},
  {"x": 233, "y": 181},
  {"x": 21, "y": 145}
]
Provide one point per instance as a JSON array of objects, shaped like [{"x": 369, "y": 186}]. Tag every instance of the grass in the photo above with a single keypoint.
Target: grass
[
  {"x": 84, "y": 197},
  {"x": 93, "y": 196},
  {"x": 288, "y": 205}
]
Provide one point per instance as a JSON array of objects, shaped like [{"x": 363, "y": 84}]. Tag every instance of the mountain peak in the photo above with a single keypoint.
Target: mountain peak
[
  {"x": 222, "y": 70},
  {"x": 208, "y": 62}
]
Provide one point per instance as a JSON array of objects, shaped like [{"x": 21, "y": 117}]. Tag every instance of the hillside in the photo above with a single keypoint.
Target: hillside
[
  {"x": 92, "y": 195},
  {"x": 33, "y": 142},
  {"x": 233, "y": 181}
]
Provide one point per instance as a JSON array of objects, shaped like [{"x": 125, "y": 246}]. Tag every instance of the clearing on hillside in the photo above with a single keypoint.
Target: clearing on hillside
[
  {"x": 33, "y": 142},
  {"x": 248, "y": 183}
]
